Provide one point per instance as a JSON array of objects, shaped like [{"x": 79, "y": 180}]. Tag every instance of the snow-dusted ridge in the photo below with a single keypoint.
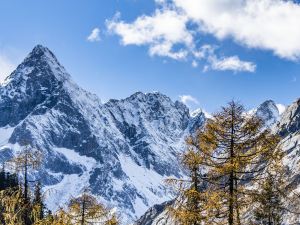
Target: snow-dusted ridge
[
  {"x": 122, "y": 150},
  {"x": 283, "y": 120}
]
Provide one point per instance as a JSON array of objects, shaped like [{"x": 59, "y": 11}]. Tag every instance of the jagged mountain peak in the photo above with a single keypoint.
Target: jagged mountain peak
[
  {"x": 39, "y": 65},
  {"x": 268, "y": 112},
  {"x": 40, "y": 79},
  {"x": 109, "y": 147},
  {"x": 141, "y": 96},
  {"x": 290, "y": 119},
  {"x": 153, "y": 102},
  {"x": 42, "y": 53},
  {"x": 198, "y": 118},
  {"x": 268, "y": 105},
  {"x": 40, "y": 50}
]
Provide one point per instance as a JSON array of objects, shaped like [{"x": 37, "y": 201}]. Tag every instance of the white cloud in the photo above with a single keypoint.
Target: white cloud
[
  {"x": 281, "y": 108},
  {"x": 95, "y": 35},
  {"x": 264, "y": 24},
  {"x": 160, "y": 1},
  {"x": 186, "y": 99},
  {"x": 165, "y": 49},
  {"x": 6, "y": 67},
  {"x": 199, "y": 110},
  {"x": 161, "y": 31},
  {"x": 261, "y": 24},
  {"x": 232, "y": 63},
  {"x": 214, "y": 62},
  {"x": 194, "y": 64},
  {"x": 204, "y": 51}
]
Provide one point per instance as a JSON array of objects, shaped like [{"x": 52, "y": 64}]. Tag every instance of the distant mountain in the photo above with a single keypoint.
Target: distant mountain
[
  {"x": 122, "y": 150},
  {"x": 268, "y": 111},
  {"x": 290, "y": 120}
]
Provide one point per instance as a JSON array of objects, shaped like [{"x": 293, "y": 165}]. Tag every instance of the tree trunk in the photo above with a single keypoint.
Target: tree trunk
[
  {"x": 196, "y": 188},
  {"x": 83, "y": 212},
  {"x": 231, "y": 176},
  {"x": 26, "y": 180},
  {"x": 231, "y": 193},
  {"x": 238, "y": 220}
]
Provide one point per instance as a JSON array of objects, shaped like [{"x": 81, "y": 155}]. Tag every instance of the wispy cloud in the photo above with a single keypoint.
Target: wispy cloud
[
  {"x": 199, "y": 110},
  {"x": 6, "y": 67},
  {"x": 264, "y": 24},
  {"x": 215, "y": 62},
  {"x": 259, "y": 24},
  {"x": 94, "y": 35},
  {"x": 281, "y": 108},
  {"x": 194, "y": 64},
  {"x": 160, "y": 31},
  {"x": 232, "y": 63},
  {"x": 187, "y": 99}
]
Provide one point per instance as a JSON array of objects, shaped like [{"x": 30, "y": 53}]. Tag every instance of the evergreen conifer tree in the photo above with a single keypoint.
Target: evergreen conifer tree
[{"x": 38, "y": 203}]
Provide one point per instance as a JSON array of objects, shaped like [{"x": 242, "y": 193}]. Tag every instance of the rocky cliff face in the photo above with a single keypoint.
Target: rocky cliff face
[
  {"x": 290, "y": 121},
  {"x": 268, "y": 112},
  {"x": 155, "y": 215},
  {"x": 122, "y": 150},
  {"x": 287, "y": 126}
]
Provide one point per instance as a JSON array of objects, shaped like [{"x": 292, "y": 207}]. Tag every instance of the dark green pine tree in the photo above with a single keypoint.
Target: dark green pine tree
[
  {"x": 12, "y": 181},
  {"x": 2, "y": 179},
  {"x": 38, "y": 204}
]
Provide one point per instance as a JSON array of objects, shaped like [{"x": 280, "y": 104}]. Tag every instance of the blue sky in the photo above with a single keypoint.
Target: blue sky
[{"x": 239, "y": 62}]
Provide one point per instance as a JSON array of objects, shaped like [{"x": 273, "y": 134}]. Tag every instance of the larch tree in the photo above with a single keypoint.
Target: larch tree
[
  {"x": 14, "y": 207},
  {"x": 269, "y": 203},
  {"x": 24, "y": 162},
  {"x": 85, "y": 209},
  {"x": 232, "y": 150},
  {"x": 193, "y": 205},
  {"x": 61, "y": 217},
  {"x": 270, "y": 195},
  {"x": 10, "y": 195},
  {"x": 27, "y": 160},
  {"x": 237, "y": 148}
]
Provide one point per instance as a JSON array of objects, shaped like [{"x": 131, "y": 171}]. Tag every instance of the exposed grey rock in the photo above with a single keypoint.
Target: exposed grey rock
[
  {"x": 290, "y": 122},
  {"x": 288, "y": 126},
  {"x": 153, "y": 213},
  {"x": 268, "y": 112},
  {"x": 122, "y": 150}
]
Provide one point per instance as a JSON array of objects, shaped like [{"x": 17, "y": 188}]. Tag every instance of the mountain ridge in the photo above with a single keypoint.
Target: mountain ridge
[
  {"x": 121, "y": 150},
  {"x": 287, "y": 125}
]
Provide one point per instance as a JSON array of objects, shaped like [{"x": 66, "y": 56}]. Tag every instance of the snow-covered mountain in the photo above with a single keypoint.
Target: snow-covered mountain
[
  {"x": 268, "y": 111},
  {"x": 285, "y": 122},
  {"x": 122, "y": 150}
]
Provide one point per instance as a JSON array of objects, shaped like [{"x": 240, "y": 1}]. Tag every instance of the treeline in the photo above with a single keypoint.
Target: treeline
[
  {"x": 235, "y": 174},
  {"x": 22, "y": 203}
]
